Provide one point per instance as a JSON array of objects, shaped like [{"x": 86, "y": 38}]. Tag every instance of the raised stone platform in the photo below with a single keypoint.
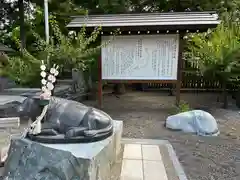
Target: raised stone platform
[{"x": 90, "y": 161}]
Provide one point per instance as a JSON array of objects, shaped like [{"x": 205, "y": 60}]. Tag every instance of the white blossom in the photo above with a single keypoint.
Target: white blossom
[
  {"x": 50, "y": 86},
  {"x": 44, "y": 82},
  {"x": 43, "y": 67},
  {"x": 52, "y": 70},
  {"x": 44, "y": 88},
  {"x": 56, "y": 73},
  {"x": 43, "y": 74}
]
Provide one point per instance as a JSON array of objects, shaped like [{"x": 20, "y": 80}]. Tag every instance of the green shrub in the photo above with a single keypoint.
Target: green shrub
[
  {"x": 23, "y": 69},
  {"x": 182, "y": 107},
  {"x": 217, "y": 54},
  {"x": 68, "y": 51}
]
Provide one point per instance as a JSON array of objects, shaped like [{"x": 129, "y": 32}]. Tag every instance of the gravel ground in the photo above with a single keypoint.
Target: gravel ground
[{"x": 203, "y": 158}]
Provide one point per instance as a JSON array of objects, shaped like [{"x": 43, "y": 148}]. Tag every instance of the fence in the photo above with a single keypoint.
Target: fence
[{"x": 191, "y": 80}]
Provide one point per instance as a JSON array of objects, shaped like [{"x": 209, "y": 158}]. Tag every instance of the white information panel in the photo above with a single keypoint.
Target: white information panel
[{"x": 140, "y": 57}]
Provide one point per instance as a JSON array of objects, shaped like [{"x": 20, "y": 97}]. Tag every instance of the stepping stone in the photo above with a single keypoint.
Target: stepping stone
[
  {"x": 154, "y": 170},
  {"x": 132, "y": 169},
  {"x": 151, "y": 152},
  {"x": 132, "y": 151}
]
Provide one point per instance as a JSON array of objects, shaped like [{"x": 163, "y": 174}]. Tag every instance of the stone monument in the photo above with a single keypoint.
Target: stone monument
[
  {"x": 79, "y": 83},
  {"x": 67, "y": 140}
]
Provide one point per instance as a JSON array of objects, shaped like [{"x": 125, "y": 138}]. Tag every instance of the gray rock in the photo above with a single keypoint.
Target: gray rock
[
  {"x": 9, "y": 104},
  {"x": 79, "y": 83},
  {"x": 4, "y": 99},
  {"x": 6, "y": 83},
  {"x": 91, "y": 161},
  {"x": 59, "y": 90},
  {"x": 19, "y": 91}
]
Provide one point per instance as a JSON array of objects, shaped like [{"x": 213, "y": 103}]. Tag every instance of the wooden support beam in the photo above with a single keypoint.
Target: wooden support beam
[
  {"x": 179, "y": 69},
  {"x": 100, "y": 93}
]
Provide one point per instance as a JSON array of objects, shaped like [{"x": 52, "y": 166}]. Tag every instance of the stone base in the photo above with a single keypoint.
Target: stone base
[
  {"x": 90, "y": 161},
  {"x": 3, "y": 154}
]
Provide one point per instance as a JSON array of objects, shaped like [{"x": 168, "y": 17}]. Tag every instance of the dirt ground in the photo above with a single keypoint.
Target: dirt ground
[{"x": 203, "y": 158}]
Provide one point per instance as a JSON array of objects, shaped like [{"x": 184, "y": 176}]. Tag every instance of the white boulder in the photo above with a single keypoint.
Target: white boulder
[{"x": 197, "y": 121}]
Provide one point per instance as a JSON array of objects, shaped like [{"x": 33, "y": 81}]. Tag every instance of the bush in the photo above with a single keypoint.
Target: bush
[
  {"x": 183, "y": 107},
  {"x": 74, "y": 51},
  {"x": 23, "y": 69},
  {"x": 217, "y": 54}
]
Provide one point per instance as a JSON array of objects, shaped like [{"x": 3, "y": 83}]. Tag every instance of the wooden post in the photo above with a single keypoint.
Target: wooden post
[
  {"x": 100, "y": 93},
  {"x": 179, "y": 70}
]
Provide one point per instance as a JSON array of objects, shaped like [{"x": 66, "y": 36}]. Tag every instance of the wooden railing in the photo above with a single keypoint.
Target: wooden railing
[{"x": 191, "y": 81}]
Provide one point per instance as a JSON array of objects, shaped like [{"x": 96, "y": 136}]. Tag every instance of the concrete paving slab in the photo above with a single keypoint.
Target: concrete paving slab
[{"x": 159, "y": 160}]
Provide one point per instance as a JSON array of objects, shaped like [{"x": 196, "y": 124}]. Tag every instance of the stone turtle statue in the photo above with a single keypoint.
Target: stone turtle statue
[{"x": 67, "y": 121}]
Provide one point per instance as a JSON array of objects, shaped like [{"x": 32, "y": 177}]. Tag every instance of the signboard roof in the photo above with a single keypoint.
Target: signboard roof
[{"x": 175, "y": 20}]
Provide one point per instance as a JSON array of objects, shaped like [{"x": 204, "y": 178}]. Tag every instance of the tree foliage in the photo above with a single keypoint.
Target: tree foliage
[
  {"x": 217, "y": 54},
  {"x": 63, "y": 9},
  {"x": 73, "y": 50},
  {"x": 24, "y": 69},
  {"x": 68, "y": 51},
  {"x": 8, "y": 12}
]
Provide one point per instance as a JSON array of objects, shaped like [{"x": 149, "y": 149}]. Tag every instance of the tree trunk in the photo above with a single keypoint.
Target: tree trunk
[{"x": 225, "y": 100}]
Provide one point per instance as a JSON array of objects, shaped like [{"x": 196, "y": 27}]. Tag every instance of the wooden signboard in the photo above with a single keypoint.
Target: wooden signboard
[{"x": 140, "y": 57}]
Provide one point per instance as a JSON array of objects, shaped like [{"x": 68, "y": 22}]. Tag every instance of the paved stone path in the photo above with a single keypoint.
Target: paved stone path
[
  {"x": 142, "y": 162},
  {"x": 150, "y": 160}
]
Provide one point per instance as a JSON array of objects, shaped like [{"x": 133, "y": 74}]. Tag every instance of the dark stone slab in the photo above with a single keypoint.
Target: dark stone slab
[
  {"x": 28, "y": 91},
  {"x": 63, "y": 91},
  {"x": 4, "y": 99},
  {"x": 91, "y": 161}
]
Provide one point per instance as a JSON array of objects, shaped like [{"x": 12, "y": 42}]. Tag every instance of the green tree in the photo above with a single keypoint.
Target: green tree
[
  {"x": 217, "y": 54},
  {"x": 12, "y": 19},
  {"x": 68, "y": 51},
  {"x": 123, "y": 6},
  {"x": 23, "y": 69}
]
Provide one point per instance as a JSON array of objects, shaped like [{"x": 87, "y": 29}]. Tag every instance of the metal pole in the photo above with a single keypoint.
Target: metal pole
[
  {"x": 46, "y": 21},
  {"x": 22, "y": 25}
]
